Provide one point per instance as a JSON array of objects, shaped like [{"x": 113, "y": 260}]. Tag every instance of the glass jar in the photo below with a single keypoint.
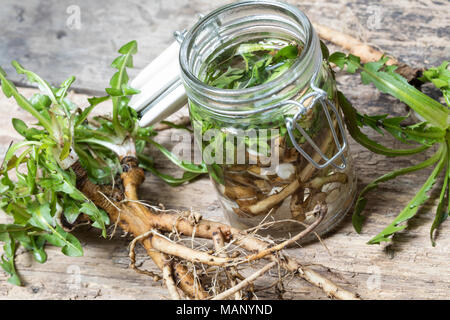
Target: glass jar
[{"x": 277, "y": 149}]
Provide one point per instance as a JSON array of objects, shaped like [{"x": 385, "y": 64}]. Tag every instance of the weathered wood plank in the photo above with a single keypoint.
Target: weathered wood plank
[
  {"x": 409, "y": 268},
  {"x": 44, "y": 35}
]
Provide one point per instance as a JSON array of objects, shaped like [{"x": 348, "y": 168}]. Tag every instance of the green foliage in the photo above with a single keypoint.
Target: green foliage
[
  {"x": 411, "y": 208},
  {"x": 440, "y": 77},
  {"x": 250, "y": 65},
  {"x": 387, "y": 81},
  {"x": 353, "y": 122},
  {"x": 188, "y": 167},
  {"x": 147, "y": 164},
  {"x": 433, "y": 131},
  {"x": 357, "y": 218},
  {"x": 43, "y": 198},
  {"x": 120, "y": 90}
]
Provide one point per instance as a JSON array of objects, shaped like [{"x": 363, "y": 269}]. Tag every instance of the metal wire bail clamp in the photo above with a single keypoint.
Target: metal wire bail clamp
[{"x": 320, "y": 96}]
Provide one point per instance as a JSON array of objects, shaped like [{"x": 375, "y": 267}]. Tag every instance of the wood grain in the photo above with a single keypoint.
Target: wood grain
[
  {"x": 39, "y": 34},
  {"x": 408, "y": 268}
]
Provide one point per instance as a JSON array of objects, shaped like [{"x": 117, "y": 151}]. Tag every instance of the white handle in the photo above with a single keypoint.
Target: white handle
[
  {"x": 165, "y": 106},
  {"x": 157, "y": 66},
  {"x": 162, "y": 92}
]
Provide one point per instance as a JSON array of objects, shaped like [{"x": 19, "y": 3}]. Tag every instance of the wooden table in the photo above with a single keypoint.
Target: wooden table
[{"x": 41, "y": 37}]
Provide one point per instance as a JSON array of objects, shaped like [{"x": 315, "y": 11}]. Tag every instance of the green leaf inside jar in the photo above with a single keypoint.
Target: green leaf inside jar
[{"x": 251, "y": 64}]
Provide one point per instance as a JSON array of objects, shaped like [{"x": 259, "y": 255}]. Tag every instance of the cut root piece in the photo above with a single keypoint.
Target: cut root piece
[
  {"x": 296, "y": 205},
  {"x": 169, "y": 281},
  {"x": 132, "y": 255},
  {"x": 239, "y": 192},
  {"x": 164, "y": 245},
  {"x": 271, "y": 201},
  {"x": 231, "y": 272},
  {"x": 245, "y": 282},
  {"x": 319, "y": 182},
  {"x": 313, "y": 199}
]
